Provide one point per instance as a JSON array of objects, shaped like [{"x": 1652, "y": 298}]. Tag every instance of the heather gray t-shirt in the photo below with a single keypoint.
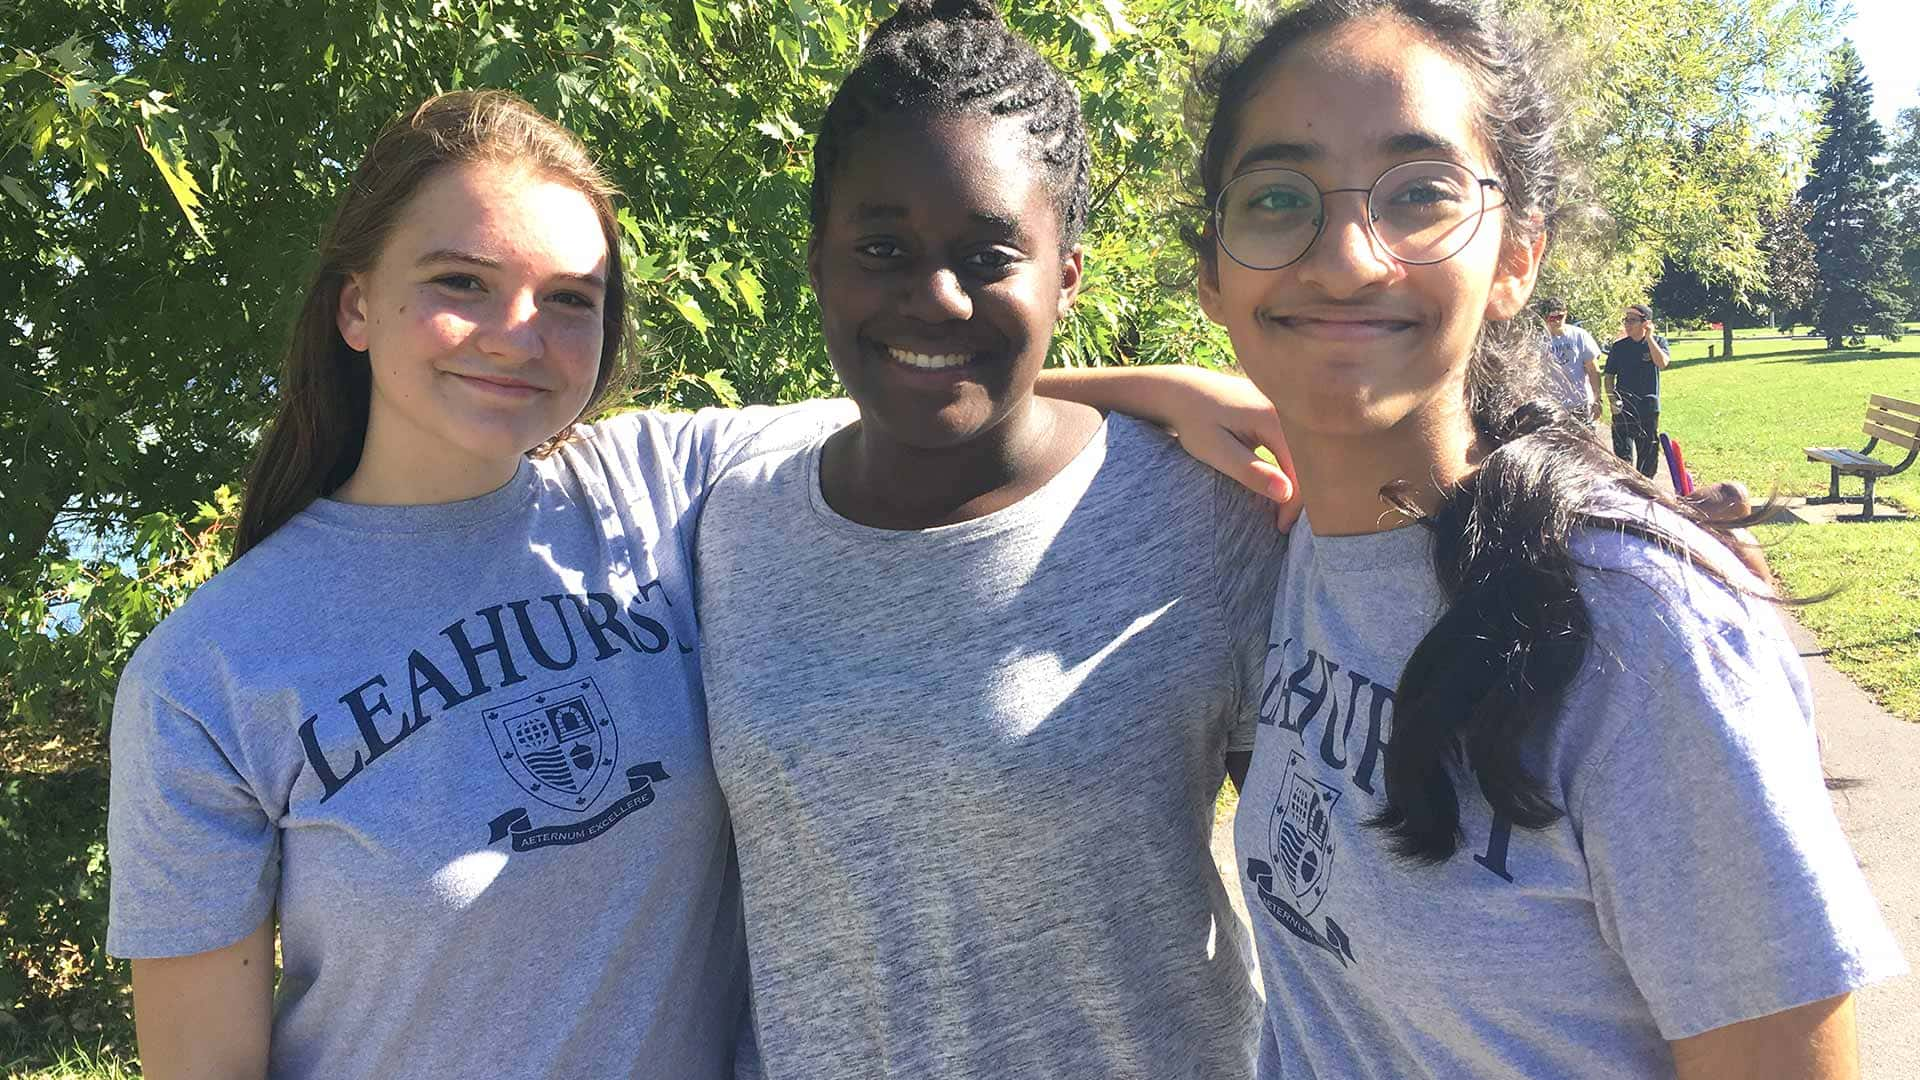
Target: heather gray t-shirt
[
  {"x": 1698, "y": 878},
  {"x": 973, "y": 768},
  {"x": 462, "y": 750}
]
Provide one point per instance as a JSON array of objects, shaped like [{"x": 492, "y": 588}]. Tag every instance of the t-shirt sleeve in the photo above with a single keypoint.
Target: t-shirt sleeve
[
  {"x": 699, "y": 446},
  {"x": 1719, "y": 870},
  {"x": 1246, "y": 559},
  {"x": 195, "y": 856}
]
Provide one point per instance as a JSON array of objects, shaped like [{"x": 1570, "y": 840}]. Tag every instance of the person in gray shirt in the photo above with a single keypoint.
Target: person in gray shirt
[
  {"x": 976, "y": 662},
  {"x": 1535, "y": 790}
]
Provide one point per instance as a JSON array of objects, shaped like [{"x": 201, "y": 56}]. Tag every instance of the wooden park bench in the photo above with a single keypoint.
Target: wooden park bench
[{"x": 1888, "y": 420}]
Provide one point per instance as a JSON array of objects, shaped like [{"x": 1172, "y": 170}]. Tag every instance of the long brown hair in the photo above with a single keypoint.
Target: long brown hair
[{"x": 315, "y": 440}]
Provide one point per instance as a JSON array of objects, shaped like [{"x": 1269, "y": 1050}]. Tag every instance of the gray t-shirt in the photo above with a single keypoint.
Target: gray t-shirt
[
  {"x": 1573, "y": 352},
  {"x": 1698, "y": 878},
  {"x": 973, "y": 768},
  {"x": 461, "y": 750}
]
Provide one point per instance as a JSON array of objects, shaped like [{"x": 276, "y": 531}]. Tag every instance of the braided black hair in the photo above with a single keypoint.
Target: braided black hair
[{"x": 952, "y": 56}]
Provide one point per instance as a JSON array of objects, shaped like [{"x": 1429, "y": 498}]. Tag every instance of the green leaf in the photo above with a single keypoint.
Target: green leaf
[
  {"x": 73, "y": 56},
  {"x": 179, "y": 177},
  {"x": 1102, "y": 42},
  {"x": 40, "y": 128},
  {"x": 689, "y": 309},
  {"x": 704, "y": 14},
  {"x": 84, "y": 94},
  {"x": 751, "y": 291},
  {"x": 20, "y": 193},
  {"x": 722, "y": 387}
]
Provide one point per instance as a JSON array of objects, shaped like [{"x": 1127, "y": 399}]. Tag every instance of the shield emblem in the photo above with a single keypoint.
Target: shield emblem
[
  {"x": 559, "y": 745},
  {"x": 1302, "y": 833}
]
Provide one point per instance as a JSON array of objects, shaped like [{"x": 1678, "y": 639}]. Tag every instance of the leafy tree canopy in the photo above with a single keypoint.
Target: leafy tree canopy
[{"x": 166, "y": 165}]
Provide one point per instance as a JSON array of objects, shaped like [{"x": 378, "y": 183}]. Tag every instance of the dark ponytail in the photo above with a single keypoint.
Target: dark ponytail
[{"x": 1487, "y": 682}]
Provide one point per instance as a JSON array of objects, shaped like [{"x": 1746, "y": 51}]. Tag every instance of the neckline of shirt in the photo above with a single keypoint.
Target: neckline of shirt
[
  {"x": 1406, "y": 545},
  {"x": 429, "y": 517},
  {"x": 1062, "y": 490}
]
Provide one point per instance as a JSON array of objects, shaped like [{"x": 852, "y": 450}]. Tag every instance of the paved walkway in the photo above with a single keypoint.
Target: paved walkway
[{"x": 1873, "y": 765}]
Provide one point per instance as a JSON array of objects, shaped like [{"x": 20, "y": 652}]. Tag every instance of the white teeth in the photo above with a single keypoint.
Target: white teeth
[{"x": 926, "y": 362}]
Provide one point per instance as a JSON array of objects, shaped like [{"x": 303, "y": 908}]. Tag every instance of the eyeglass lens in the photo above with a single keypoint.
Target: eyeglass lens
[{"x": 1419, "y": 211}]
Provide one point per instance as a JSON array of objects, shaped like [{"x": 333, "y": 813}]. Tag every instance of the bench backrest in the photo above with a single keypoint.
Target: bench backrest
[{"x": 1892, "y": 420}]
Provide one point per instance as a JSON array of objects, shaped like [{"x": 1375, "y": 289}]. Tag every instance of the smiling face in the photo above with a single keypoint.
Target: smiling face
[
  {"x": 939, "y": 275},
  {"x": 1349, "y": 340},
  {"x": 481, "y": 320}
]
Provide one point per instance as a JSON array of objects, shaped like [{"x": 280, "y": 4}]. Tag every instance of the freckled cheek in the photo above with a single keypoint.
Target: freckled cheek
[
  {"x": 575, "y": 349},
  {"x": 445, "y": 328}
]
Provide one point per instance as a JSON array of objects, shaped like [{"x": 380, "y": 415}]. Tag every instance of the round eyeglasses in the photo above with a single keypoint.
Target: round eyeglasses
[{"x": 1419, "y": 212}]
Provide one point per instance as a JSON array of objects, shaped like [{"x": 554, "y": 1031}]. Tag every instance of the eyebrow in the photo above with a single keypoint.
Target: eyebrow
[
  {"x": 453, "y": 255},
  {"x": 1297, "y": 153},
  {"x": 865, "y": 212}
]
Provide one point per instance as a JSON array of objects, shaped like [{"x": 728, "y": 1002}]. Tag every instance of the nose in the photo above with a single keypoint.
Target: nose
[
  {"x": 1346, "y": 258},
  {"x": 511, "y": 331},
  {"x": 935, "y": 294}
]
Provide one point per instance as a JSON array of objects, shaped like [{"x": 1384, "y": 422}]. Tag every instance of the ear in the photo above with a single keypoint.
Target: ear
[
  {"x": 1514, "y": 277},
  {"x": 1072, "y": 273},
  {"x": 1211, "y": 303},
  {"x": 351, "y": 315}
]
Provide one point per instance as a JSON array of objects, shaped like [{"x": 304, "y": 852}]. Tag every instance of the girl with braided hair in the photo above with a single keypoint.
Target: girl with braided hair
[
  {"x": 976, "y": 662},
  {"x": 1535, "y": 790}
]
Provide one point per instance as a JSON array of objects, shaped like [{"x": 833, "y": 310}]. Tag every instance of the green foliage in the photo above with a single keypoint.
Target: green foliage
[
  {"x": 1670, "y": 129},
  {"x": 56, "y": 982},
  {"x": 165, "y": 169},
  {"x": 65, "y": 645},
  {"x": 1791, "y": 273},
  {"x": 1903, "y": 195},
  {"x": 1851, "y": 222}
]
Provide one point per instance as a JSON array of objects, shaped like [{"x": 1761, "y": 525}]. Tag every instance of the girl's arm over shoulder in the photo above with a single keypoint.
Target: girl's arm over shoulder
[
  {"x": 1812, "y": 1042},
  {"x": 1220, "y": 419},
  {"x": 207, "y": 1016}
]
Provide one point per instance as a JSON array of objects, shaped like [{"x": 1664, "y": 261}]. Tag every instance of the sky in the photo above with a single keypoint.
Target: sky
[{"x": 1887, "y": 34}]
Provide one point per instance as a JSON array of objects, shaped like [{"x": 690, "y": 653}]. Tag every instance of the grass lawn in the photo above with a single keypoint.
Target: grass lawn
[
  {"x": 1749, "y": 418},
  {"x": 69, "y": 1060}
]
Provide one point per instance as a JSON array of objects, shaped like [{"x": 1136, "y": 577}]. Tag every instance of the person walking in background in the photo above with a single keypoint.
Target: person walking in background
[
  {"x": 1634, "y": 363},
  {"x": 1576, "y": 361}
]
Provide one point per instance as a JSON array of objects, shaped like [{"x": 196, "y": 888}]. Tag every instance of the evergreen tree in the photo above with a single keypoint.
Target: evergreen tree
[
  {"x": 1903, "y": 189},
  {"x": 1854, "y": 241}
]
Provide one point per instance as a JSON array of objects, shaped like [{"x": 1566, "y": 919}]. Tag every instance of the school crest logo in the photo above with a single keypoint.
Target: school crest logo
[
  {"x": 560, "y": 745},
  {"x": 1300, "y": 842},
  {"x": 1300, "y": 835}
]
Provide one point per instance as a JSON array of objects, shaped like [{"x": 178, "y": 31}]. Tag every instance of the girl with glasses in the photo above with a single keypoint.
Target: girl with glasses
[{"x": 1535, "y": 789}]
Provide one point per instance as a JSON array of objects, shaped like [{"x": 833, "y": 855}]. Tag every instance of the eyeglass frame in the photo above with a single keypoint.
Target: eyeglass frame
[{"x": 1483, "y": 184}]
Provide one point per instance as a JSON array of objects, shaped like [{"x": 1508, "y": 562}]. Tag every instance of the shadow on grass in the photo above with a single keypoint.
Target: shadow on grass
[
  {"x": 1813, "y": 354},
  {"x": 1844, "y": 356}
]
